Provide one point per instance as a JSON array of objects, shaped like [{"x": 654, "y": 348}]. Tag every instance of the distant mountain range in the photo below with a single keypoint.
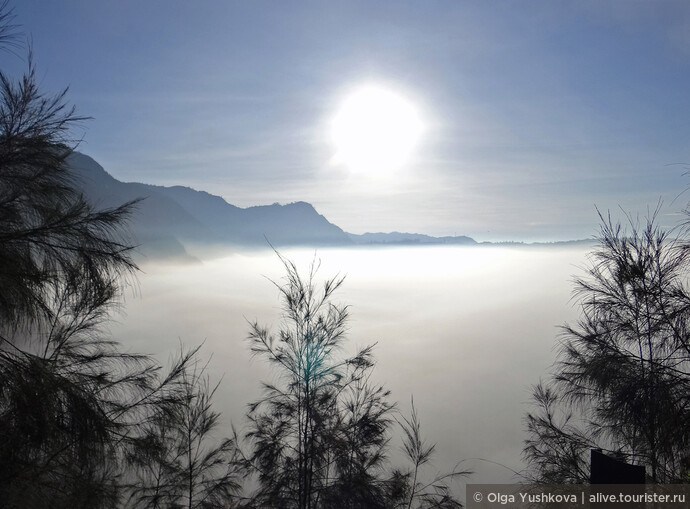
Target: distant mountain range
[
  {"x": 170, "y": 218},
  {"x": 408, "y": 239}
]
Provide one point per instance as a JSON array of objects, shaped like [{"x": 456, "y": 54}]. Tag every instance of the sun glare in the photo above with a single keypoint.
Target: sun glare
[{"x": 375, "y": 131}]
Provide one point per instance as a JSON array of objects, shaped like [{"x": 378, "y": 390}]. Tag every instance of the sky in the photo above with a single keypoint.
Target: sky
[{"x": 534, "y": 112}]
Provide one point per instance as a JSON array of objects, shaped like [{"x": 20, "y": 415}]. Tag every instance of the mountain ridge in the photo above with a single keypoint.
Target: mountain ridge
[
  {"x": 399, "y": 238},
  {"x": 171, "y": 219}
]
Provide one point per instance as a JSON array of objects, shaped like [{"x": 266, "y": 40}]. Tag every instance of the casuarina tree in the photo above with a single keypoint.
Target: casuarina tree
[{"x": 622, "y": 378}]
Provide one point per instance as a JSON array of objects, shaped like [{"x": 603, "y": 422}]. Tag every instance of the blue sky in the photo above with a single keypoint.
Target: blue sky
[{"x": 535, "y": 112}]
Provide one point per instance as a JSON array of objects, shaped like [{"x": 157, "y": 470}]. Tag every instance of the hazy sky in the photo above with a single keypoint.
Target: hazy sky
[{"x": 534, "y": 112}]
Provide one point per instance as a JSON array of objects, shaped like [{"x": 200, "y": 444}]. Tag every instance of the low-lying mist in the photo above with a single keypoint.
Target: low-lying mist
[{"x": 465, "y": 330}]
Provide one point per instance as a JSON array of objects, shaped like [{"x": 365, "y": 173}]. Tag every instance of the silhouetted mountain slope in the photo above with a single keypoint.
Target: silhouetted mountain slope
[
  {"x": 295, "y": 223},
  {"x": 170, "y": 215},
  {"x": 170, "y": 218}
]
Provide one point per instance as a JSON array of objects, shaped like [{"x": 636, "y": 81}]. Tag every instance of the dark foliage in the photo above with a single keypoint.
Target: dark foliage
[
  {"x": 71, "y": 402},
  {"x": 557, "y": 450},
  {"x": 623, "y": 376},
  {"x": 418, "y": 493},
  {"x": 49, "y": 233},
  {"x": 320, "y": 433},
  {"x": 183, "y": 464}
]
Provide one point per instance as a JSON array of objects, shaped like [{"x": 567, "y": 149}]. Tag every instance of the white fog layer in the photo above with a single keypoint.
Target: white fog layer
[{"x": 465, "y": 330}]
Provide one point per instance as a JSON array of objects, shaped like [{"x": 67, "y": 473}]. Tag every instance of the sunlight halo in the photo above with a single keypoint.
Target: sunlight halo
[{"x": 375, "y": 131}]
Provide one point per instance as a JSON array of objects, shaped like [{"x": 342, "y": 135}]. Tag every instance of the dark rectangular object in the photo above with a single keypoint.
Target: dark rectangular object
[{"x": 607, "y": 470}]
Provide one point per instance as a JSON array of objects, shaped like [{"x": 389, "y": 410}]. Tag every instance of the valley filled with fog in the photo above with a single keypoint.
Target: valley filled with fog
[{"x": 465, "y": 330}]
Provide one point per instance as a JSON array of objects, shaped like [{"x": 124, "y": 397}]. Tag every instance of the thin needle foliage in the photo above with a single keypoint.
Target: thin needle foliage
[
  {"x": 319, "y": 436},
  {"x": 623, "y": 373},
  {"x": 72, "y": 402}
]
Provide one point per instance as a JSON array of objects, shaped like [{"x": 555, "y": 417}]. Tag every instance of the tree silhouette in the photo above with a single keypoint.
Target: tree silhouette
[
  {"x": 558, "y": 443},
  {"x": 415, "y": 492},
  {"x": 623, "y": 374},
  {"x": 185, "y": 465},
  {"x": 322, "y": 429},
  {"x": 71, "y": 402},
  {"x": 49, "y": 233},
  {"x": 319, "y": 435}
]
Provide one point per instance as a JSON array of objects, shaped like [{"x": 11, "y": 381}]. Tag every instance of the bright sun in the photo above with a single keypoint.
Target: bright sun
[{"x": 375, "y": 131}]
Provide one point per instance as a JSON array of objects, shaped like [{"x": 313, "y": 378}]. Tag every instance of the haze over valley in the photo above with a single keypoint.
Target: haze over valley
[
  {"x": 465, "y": 330},
  {"x": 461, "y": 326},
  {"x": 341, "y": 255}
]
